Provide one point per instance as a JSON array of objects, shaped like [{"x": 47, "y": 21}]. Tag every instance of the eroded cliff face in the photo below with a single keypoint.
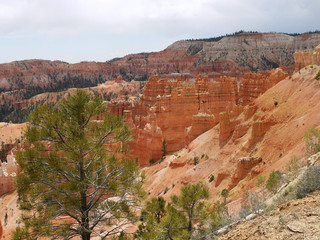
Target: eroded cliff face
[
  {"x": 307, "y": 57},
  {"x": 178, "y": 110},
  {"x": 250, "y": 140},
  {"x": 252, "y": 50},
  {"x": 255, "y": 84}
]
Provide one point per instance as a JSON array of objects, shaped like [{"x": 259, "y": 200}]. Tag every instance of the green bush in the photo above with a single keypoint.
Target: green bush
[
  {"x": 151, "y": 161},
  {"x": 273, "y": 181},
  {"x": 309, "y": 182},
  {"x": 260, "y": 180},
  {"x": 195, "y": 160},
  {"x": 164, "y": 148},
  {"x": 317, "y": 77},
  {"x": 211, "y": 178}
]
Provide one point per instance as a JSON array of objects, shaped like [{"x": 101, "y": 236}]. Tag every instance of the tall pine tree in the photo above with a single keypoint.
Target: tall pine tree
[{"x": 76, "y": 179}]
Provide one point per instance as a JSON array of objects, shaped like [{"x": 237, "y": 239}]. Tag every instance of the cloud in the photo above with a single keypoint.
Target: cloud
[
  {"x": 166, "y": 16},
  {"x": 93, "y": 23}
]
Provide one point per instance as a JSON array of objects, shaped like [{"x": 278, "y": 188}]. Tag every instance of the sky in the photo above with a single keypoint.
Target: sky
[{"x": 99, "y": 30}]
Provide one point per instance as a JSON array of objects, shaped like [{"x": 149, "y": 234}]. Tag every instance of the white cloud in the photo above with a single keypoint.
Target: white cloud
[
  {"x": 59, "y": 23},
  {"x": 120, "y": 16}
]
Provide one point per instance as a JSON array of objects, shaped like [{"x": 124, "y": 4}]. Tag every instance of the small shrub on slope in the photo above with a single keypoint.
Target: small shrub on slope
[
  {"x": 273, "y": 181},
  {"x": 317, "y": 77},
  {"x": 312, "y": 137},
  {"x": 309, "y": 183}
]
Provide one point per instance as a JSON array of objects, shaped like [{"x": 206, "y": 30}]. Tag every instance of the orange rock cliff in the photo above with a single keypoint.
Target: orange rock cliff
[{"x": 179, "y": 110}]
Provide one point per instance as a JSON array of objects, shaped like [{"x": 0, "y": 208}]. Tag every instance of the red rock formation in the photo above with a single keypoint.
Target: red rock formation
[
  {"x": 244, "y": 166},
  {"x": 233, "y": 125},
  {"x": 259, "y": 128},
  {"x": 306, "y": 57},
  {"x": 226, "y": 127},
  {"x": 255, "y": 84},
  {"x": 177, "y": 112}
]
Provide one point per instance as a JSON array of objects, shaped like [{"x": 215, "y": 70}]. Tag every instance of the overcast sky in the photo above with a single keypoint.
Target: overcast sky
[{"x": 99, "y": 30}]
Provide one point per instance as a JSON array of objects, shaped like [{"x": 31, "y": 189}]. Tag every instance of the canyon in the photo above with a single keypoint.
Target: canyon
[
  {"x": 218, "y": 112},
  {"x": 232, "y": 55},
  {"x": 249, "y": 141}
]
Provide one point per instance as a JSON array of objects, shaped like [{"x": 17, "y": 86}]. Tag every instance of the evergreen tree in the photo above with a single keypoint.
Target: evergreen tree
[
  {"x": 76, "y": 179},
  {"x": 225, "y": 194},
  {"x": 164, "y": 148},
  {"x": 185, "y": 215},
  {"x": 191, "y": 203}
]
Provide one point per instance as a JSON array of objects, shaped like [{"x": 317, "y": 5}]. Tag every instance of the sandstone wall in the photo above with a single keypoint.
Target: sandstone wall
[
  {"x": 307, "y": 57},
  {"x": 255, "y": 84},
  {"x": 178, "y": 111}
]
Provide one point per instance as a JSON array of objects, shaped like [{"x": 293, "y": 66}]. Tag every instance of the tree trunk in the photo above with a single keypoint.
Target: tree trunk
[{"x": 85, "y": 234}]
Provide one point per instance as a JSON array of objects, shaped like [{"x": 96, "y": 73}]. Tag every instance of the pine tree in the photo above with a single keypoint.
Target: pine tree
[
  {"x": 76, "y": 179},
  {"x": 180, "y": 219},
  {"x": 164, "y": 148}
]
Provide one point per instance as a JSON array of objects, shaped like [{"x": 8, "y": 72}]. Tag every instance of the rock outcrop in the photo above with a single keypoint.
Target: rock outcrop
[
  {"x": 8, "y": 172},
  {"x": 249, "y": 141},
  {"x": 244, "y": 166},
  {"x": 307, "y": 57},
  {"x": 255, "y": 84},
  {"x": 178, "y": 111}
]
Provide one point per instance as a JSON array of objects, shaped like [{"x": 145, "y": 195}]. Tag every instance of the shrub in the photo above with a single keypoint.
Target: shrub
[
  {"x": 317, "y": 77},
  {"x": 164, "y": 148},
  {"x": 309, "y": 182},
  {"x": 211, "y": 178},
  {"x": 225, "y": 194},
  {"x": 151, "y": 161},
  {"x": 293, "y": 166},
  {"x": 312, "y": 137},
  {"x": 273, "y": 181},
  {"x": 260, "y": 180},
  {"x": 282, "y": 221},
  {"x": 256, "y": 202},
  {"x": 195, "y": 160}
]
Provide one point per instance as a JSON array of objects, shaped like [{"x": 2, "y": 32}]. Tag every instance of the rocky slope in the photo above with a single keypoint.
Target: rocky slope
[
  {"x": 298, "y": 219},
  {"x": 249, "y": 141}
]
